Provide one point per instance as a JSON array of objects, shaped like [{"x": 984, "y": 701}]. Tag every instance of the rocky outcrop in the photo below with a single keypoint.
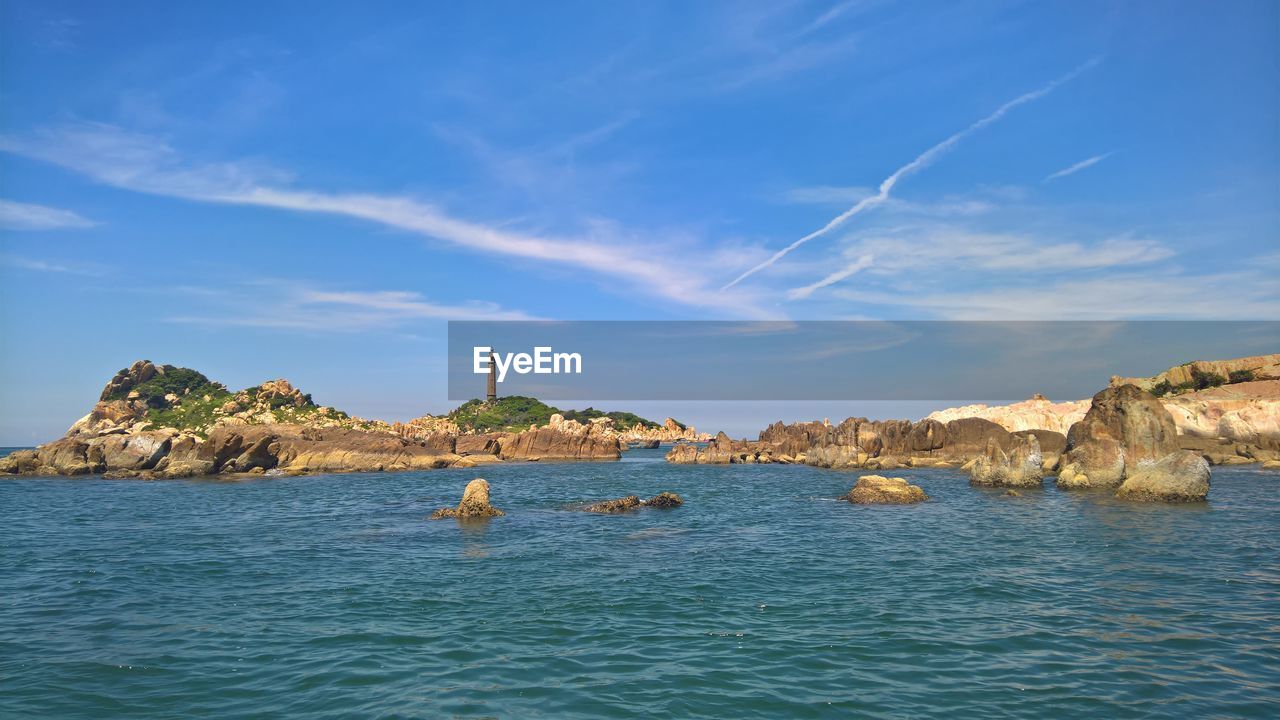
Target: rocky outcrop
[
  {"x": 670, "y": 431},
  {"x": 878, "y": 490},
  {"x": 1023, "y": 466},
  {"x": 474, "y": 504},
  {"x": 1037, "y": 413},
  {"x": 1180, "y": 476},
  {"x": 562, "y": 440},
  {"x": 630, "y": 502},
  {"x": 1125, "y": 426},
  {"x": 862, "y": 443},
  {"x": 1235, "y": 421},
  {"x": 1127, "y": 441},
  {"x": 1188, "y": 375},
  {"x": 664, "y": 500},
  {"x": 487, "y": 444}
]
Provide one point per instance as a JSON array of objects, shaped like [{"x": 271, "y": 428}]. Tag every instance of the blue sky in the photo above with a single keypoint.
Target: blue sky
[{"x": 310, "y": 190}]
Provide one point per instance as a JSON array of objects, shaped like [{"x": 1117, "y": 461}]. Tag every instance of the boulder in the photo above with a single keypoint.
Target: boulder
[
  {"x": 1124, "y": 427},
  {"x": 875, "y": 490},
  {"x": 475, "y": 503},
  {"x": 137, "y": 451},
  {"x": 477, "y": 445},
  {"x": 561, "y": 444},
  {"x": 20, "y": 461},
  {"x": 1021, "y": 467},
  {"x": 1181, "y": 476},
  {"x": 66, "y": 456},
  {"x": 630, "y": 502},
  {"x": 664, "y": 501}
]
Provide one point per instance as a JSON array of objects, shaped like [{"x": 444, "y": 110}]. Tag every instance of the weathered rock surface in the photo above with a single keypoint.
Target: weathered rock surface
[
  {"x": 630, "y": 502},
  {"x": 562, "y": 440},
  {"x": 1257, "y": 367},
  {"x": 1020, "y": 467},
  {"x": 1127, "y": 441},
  {"x": 475, "y": 503},
  {"x": 1181, "y": 476},
  {"x": 662, "y": 500},
  {"x": 1243, "y": 415},
  {"x": 862, "y": 443},
  {"x": 879, "y": 490},
  {"x": 1125, "y": 426}
]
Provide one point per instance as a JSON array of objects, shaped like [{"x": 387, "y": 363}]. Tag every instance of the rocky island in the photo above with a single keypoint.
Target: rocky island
[
  {"x": 161, "y": 421},
  {"x": 1141, "y": 438}
]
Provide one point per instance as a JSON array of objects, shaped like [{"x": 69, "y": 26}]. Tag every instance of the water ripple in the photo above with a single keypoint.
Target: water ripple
[{"x": 331, "y": 596}]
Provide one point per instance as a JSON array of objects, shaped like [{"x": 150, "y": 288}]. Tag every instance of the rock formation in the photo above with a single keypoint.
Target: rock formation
[
  {"x": 1236, "y": 421},
  {"x": 475, "y": 504},
  {"x": 1128, "y": 440},
  {"x": 878, "y": 490},
  {"x": 1124, "y": 426},
  {"x": 1189, "y": 375},
  {"x": 562, "y": 440},
  {"x": 663, "y": 500},
  {"x": 1180, "y": 476},
  {"x": 862, "y": 443},
  {"x": 161, "y": 421},
  {"x": 1023, "y": 466}
]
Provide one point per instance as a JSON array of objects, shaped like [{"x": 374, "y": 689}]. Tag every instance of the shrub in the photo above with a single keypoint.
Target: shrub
[
  {"x": 1201, "y": 379},
  {"x": 1239, "y": 376}
]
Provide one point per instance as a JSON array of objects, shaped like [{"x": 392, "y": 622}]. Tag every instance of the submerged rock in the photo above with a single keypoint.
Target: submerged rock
[
  {"x": 876, "y": 489},
  {"x": 475, "y": 503},
  {"x": 663, "y": 500},
  {"x": 630, "y": 502},
  {"x": 1182, "y": 476}
]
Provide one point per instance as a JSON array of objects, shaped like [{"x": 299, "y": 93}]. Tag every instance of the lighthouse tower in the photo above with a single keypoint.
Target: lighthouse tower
[{"x": 492, "y": 393}]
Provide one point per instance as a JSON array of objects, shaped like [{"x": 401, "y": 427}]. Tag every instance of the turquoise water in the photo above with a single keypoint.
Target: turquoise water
[{"x": 331, "y": 596}]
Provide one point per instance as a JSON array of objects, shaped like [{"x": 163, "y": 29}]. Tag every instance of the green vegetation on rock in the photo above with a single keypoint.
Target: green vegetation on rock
[
  {"x": 518, "y": 412},
  {"x": 171, "y": 380}
]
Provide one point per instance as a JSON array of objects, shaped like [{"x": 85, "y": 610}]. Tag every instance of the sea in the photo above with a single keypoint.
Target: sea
[{"x": 763, "y": 596}]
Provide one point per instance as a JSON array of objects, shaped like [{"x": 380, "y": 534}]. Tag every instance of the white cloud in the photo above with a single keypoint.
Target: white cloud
[
  {"x": 27, "y": 216},
  {"x": 1071, "y": 170},
  {"x": 143, "y": 163},
  {"x": 924, "y": 160},
  {"x": 945, "y": 248},
  {"x": 862, "y": 263},
  {"x": 36, "y": 265},
  {"x": 295, "y": 306},
  {"x": 1224, "y": 296}
]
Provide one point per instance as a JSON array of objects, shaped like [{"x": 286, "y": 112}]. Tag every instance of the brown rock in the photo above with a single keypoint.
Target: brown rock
[
  {"x": 475, "y": 503},
  {"x": 1022, "y": 467},
  {"x": 1124, "y": 427},
  {"x": 1181, "y": 476},
  {"x": 664, "y": 500},
  {"x": 875, "y": 489},
  {"x": 630, "y": 502}
]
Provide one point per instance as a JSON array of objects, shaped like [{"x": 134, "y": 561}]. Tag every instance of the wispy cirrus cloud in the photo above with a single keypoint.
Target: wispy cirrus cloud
[
  {"x": 292, "y": 305},
  {"x": 922, "y": 161},
  {"x": 1244, "y": 295},
  {"x": 29, "y": 216},
  {"x": 46, "y": 266},
  {"x": 1073, "y": 169},
  {"x": 147, "y": 164},
  {"x": 863, "y": 262}
]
